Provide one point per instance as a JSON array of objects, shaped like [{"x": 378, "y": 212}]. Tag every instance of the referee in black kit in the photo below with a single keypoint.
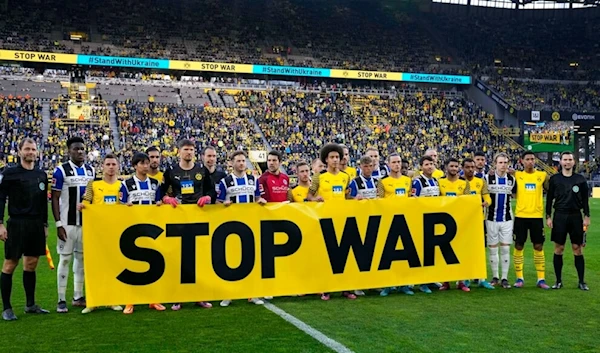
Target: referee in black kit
[
  {"x": 27, "y": 228},
  {"x": 569, "y": 194}
]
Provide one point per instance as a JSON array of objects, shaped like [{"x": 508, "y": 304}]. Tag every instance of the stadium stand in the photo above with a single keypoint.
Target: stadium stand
[{"x": 20, "y": 117}]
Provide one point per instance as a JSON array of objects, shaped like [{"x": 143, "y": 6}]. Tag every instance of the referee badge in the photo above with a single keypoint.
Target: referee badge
[
  {"x": 42, "y": 186},
  {"x": 575, "y": 188},
  {"x": 198, "y": 176}
]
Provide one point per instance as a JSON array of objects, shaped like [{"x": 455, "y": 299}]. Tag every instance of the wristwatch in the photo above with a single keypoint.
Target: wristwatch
[{"x": 59, "y": 224}]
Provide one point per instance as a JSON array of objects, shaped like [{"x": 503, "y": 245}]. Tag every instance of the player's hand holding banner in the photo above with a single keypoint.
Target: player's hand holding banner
[{"x": 183, "y": 254}]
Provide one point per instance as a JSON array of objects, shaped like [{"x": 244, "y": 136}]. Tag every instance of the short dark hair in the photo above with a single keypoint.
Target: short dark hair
[
  {"x": 302, "y": 164},
  {"x": 75, "y": 139},
  {"x": 479, "y": 154},
  {"x": 405, "y": 161},
  {"x": 139, "y": 157},
  {"x": 526, "y": 153},
  {"x": 186, "y": 142},
  {"x": 237, "y": 153},
  {"x": 110, "y": 156},
  {"x": 152, "y": 149},
  {"x": 394, "y": 155},
  {"x": 564, "y": 153},
  {"x": 425, "y": 158},
  {"x": 328, "y": 148},
  {"x": 26, "y": 140},
  {"x": 276, "y": 153},
  {"x": 208, "y": 148},
  {"x": 467, "y": 160},
  {"x": 365, "y": 160},
  {"x": 450, "y": 160}
]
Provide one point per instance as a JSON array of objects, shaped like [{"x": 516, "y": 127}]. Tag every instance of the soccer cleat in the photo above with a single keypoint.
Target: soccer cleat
[
  {"x": 62, "y": 307},
  {"x": 325, "y": 296},
  {"x": 256, "y": 301},
  {"x": 35, "y": 309},
  {"x": 542, "y": 284},
  {"x": 225, "y": 303},
  {"x": 445, "y": 286},
  {"x": 495, "y": 281},
  {"x": 128, "y": 309},
  {"x": 485, "y": 284},
  {"x": 79, "y": 302},
  {"x": 157, "y": 307},
  {"x": 348, "y": 295},
  {"x": 505, "y": 283},
  {"x": 88, "y": 310},
  {"x": 385, "y": 292},
  {"x": 519, "y": 283},
  {"x": 9, "y": 315},
  {"x": 205, "y": 305},
  {"x": 359, "y": 292},
  {"x": 558, "y": 285},
  {"x": 463, "y": 287},
  {"x": 268, "y": 297},
  {"x": 176, "y": 307},
  {"x": 423, "y": 288},
  {"x": 406, "y": 290},
  {"x": 583, "y": 286},
  {"x": 116, "y": 308}
]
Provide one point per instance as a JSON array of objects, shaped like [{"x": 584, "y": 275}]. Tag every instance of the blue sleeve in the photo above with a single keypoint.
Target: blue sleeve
[
  {"x": 221, "y": 191},
  {"x": 416, "y": 188},
  {"x": 353, "y": 188},
  {"x": 57, "y": 180},
  {"x": 257, "y": 192},
  {"x": 123, "y": 194},
  {"x": 157, "y": 194}
]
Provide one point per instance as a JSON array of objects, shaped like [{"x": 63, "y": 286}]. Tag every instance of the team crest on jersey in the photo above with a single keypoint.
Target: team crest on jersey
[
  {"x": 509, "y": 183},
  {"x": 42, "y": 186},
  {"x": 575, "y": 188},
  {"x": 250, "y": 182},
  {"x": 153, "y": 186},
  {"x": 539, "y": 180},
  {"x": 198, "y": 176},
  {"x": 120, "y": 195},
  {"x": 89, "y": 173},
  {"x": 285, "y": 182}
]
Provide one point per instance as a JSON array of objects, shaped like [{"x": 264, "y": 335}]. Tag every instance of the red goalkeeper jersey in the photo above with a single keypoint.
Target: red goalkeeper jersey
[{"x": 274, "y": 187}]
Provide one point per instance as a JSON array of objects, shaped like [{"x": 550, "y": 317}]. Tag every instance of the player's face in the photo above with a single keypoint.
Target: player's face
[
  {"x": 209, "y": 158},
  {"x": 366, "y": 170},
  {"x": 239, "y": 163},
  {"x": 344, "y": 162},
  {"x": 186, "y": 153},
  {"x": 154, "y": 159},
  {"x": 452, "y": 169},
  {"x": 528, "y": 161},
  {"x": 303, "y": 173},
  {"x": 143, "y": 167},
  {"x": 110, "y": 167},
  {"x": 427, "y": 168},
  {"x": 77, "y": 152},
  {"x": 333, "y": 160},
  {"x": 432, "y": 154},
  {"x": 273, "y": 163},
  {"x": 479, "y": 162},
  {"x": 374, "y": 156},
  {"x": 395, "y": 164},
  {"x": 318, "y": 167},
  {"x": 502, "y": 164},
  {"x": 567, "y": 161},
  {"x": 469, "y": 169},
  {"x": 404, "y": 169},
  {"x": 28, "y": 152}
]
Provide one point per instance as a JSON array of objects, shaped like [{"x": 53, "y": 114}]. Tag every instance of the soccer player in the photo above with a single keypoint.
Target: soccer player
[
  {"x": 434, "y": 156},
  {"x": 405, "y": 167},
  {"x": 209, "y": 160},
  {"x": 68, "y": 187},
  {"x": 140, "y": 190},
  {"x": 499, "y": 220},
  {"x": 154, "y": 155},
  {"x": 187, "y": 183},
  {"x": 27, "y": 228},
  {"x": 317, "y": 166},
  {"x": 380, "y": 169},
  {"x": 239, "y": 187},
  {"x": 300, "y": 192},
  {"x": 453, "y": 185},
  {"x": 568, "y": 193},
  {"x": 477, "y": 186},
  {"x": 364, "y": 186},
  {"x": 331, "y": 185},
  {"x": 529, "y": 218},
  {"x": 105, "y": 191},
  {"x": 394, "y": 185},
  {"x": 344, "y": 167},
  {"x": 480, "y": 165},
  {"x": 274, "y": 184}
]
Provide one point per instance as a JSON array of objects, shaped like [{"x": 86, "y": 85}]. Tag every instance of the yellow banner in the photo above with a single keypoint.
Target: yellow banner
[
  {"x": 206, "y": 66},
  {"x": 366, "y": 75},
  {"x": 148, "y": 254},
  {"x": 549, "y": 137},
  {"x": 38, "y": 57}
]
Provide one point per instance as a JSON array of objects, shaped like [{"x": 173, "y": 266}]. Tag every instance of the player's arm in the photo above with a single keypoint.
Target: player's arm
[
  {"x": 57, "y": 185},
  {"x": 262, "y": 185},
  {"x": 3, "y": 196},
  {"x": 158, "y": 195},
  {"x": 221, "y": 191},
  {"x": 44, "y": 202},
  {"x": 166, "y": 185},
  {"x": 347, "y": 188},
  {"x": 485, "y": 194},
  {"x": 550, "y": 200},
  {"x": 416, "y": 188},
  {"x": 123, "y": 193},
  {"x": 380, "y": 190},
  {"x": 89, "y": 193},
  {"x": 546, "y": 184},
  {"x": 290, "y": 195},
  {"x": 353, "y": 189},
  {"x": 314, "y": 189},
  {"x": 258, "y": 194},
  {"x": 585, "y": 200}
]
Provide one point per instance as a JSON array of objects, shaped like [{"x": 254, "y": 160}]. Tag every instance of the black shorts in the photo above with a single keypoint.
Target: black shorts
[
  {"x": 484, "y": 234},
  {"x": 26, "y": 237},
  {"x": 563, "y": 224},
  {"x": 532, "y": 226}
]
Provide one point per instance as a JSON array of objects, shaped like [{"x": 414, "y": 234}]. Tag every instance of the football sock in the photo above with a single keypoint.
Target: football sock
[
  {"x": 518, "y": 260},
  {"x": 494, "y": 261},
  {"x": 62, "y": 276},
  {"x": 580, "y": 266},
  {"x": 78, "y": 275},
  {"x": 6, "y": 289},
  {"x": 558, "y": 266},
  {"x": 505, "y": 260},
  {"x": 29, "y": 285},
  {"x": 539, "y": 259}
]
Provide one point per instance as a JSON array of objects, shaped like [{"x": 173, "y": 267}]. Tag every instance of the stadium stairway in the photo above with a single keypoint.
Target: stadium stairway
[
  {"x": 45, "y": 120},
  {"x": 114, "y": 127}
]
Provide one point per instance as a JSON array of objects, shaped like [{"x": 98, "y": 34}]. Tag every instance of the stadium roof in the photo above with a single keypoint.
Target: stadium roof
[{"x": 526, "y": 4}]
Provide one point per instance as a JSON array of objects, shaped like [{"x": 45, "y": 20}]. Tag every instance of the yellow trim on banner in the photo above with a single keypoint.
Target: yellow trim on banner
[
  {"x": 209, "y": 66},
  {"x": 17, "y": 55},
  {"x": 150, "y": 254},
  {"x": 366, "y": 75}
]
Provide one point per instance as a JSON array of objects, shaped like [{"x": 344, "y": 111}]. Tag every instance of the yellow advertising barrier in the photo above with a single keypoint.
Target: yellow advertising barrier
[
  {"x": 209, "y": 66},
  {"x": 366, "y": 75},
  {"x": 38, "y": 57},
  {"x": 148, "y": 254},
  {"x": 549, "y": 137}
]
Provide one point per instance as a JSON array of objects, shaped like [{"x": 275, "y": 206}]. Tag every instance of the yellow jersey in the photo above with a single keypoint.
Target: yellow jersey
[
  {"x": 351, "y": 172},
  {"x": 530, "y": 192},
  {"x": 158, "y": 176},
  {"x": 478, "y": 186},
  {"x": 298, "y": 194},
  {"x": 330, "y": 186},
  {"x": 394, "y": 187},
  {"x": 101, "y": 192},
  {"x": 454, "y": 188}
]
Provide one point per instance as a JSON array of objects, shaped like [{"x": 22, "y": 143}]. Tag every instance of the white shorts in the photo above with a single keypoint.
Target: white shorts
[
  {"x": 74, "y": 241},
  {"x": 499, "y": 232}
]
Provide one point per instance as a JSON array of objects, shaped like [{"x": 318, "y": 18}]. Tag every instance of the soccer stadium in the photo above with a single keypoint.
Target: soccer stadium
[{"x": 335, "y": 121}]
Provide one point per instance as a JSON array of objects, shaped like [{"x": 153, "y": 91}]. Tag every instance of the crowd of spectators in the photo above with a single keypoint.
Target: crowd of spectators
[{"x": 20, "y": 117}]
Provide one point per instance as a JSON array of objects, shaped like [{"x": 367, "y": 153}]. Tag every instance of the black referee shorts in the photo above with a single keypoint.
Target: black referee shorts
[
  {"x": 567, "y": 223},
  {"x": 25, "y": 238},
  {"x": 533, "y": 227}
]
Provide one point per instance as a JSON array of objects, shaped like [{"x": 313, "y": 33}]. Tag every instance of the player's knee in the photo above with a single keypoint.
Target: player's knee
[
  {"x": 9, "y": 266},
  {"x": 519, "y": 246},
  {"x": 538, "y": 247},
  {"x": 577, "y": 249},
  {"x": 30, "y": 263},
  {"x": 65, "y": 260},
  {"x": 559, "y": 249}
]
